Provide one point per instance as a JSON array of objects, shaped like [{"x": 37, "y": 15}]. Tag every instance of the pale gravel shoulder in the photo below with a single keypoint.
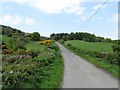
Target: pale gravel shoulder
[{"x": 79, "y": 73}]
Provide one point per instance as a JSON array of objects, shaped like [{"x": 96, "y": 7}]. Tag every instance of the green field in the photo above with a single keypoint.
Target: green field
[
  {"x": 35, "y": 46},
  {"x": 92, "y": 46},
  {"x": 81, "y": 47}
]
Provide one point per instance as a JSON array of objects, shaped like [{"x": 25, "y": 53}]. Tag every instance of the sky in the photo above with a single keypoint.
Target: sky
[{"x": 61, "y": 16}]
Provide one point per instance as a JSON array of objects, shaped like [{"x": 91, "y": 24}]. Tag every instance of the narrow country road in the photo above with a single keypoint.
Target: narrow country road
[{"x": 79, "y": 73}]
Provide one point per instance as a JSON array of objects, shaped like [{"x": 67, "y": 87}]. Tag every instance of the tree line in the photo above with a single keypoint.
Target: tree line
[{"x": 81, "y": 36}]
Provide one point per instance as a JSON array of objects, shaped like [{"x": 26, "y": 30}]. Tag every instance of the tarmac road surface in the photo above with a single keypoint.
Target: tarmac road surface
[{"x": 79, "y": 73}]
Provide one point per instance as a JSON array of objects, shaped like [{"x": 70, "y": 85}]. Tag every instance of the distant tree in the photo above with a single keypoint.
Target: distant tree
[
  {"x": 71, "y": 36},
  {"x": 35, "y": 36},
  {"x": 100, "y": 39},
  {"x": 52, "y": 36},
  {"x": 77, "y": 36},
  {"x": 57, "y": 37},
  {"x": 64, "y": 37},
  {"x": 108, "y": 40}
]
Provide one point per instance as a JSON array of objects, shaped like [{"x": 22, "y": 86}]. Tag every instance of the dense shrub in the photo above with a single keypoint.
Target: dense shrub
[
  {"x": 3, "y": 45},
  {"x": 34, "y": 54},
  {"x": 112, "y": 58},
  {"x": 61, "y": 41},
  {"x": 35, "y": 36},
  {"x": 56, "y": 48},
  {"x": 16, "y": 76},
  {"x": 19, "y": 72},
  {"x": 116, "y": 48},
  {"x": 69, "y": 45}
]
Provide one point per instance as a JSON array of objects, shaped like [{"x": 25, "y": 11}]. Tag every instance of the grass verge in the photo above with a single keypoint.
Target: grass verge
[{"x": 53, "y": 74}]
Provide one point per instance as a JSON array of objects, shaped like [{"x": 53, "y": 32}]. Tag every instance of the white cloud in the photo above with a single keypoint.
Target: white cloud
[
  {"x": 18, "y": 1},
  {"x": 15, "y": 20},
  {"x": 55, "y": 6},
  {"x": 80, "y": 0},
  {"x": 9, "y": 19},
  {"x": 99, "y": 6},
  {"x": 58, "y": 6}
]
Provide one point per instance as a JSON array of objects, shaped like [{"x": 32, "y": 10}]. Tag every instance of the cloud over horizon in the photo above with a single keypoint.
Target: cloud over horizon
[{"x": 15, "y": 20}]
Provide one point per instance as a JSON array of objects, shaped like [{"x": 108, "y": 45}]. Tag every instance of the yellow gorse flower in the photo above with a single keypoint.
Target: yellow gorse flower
[
  {"x": 28, "y": 51},
  {"x": 19, "y": 51},
  {"x": 45, "y": 42}
]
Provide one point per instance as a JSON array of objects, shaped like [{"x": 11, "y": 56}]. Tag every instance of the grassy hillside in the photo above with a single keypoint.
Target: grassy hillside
[
  {"x": 92, "y": 46},
  {"x": 5, "y": 38},
  {"x": 33, "y": 45},
  {"x": 36, "y": 66}
]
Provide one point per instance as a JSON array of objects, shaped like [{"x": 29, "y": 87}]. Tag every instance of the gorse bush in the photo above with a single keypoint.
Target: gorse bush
[
  {"x": 3, "y": 45},
  {"x": 14, "y": 76},
  {"x": 28, "y": 68},
  {"x": 19, "y": 72},
  {"x": 45, "y": 42}
]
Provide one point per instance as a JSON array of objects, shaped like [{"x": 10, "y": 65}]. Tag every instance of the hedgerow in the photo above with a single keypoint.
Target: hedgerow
[{"x": 112, "y": 58}]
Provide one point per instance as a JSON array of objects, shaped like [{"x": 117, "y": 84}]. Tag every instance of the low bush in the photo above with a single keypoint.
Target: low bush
[
  {"x": 34, "y": 54},
  {"x": 3, "y": 45},
  {"x": 61, "y": 41},
  {"x": 15, "y": 76},
  {"x": 69, "y": 45},
  {"x": 54, "y": 47}
]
